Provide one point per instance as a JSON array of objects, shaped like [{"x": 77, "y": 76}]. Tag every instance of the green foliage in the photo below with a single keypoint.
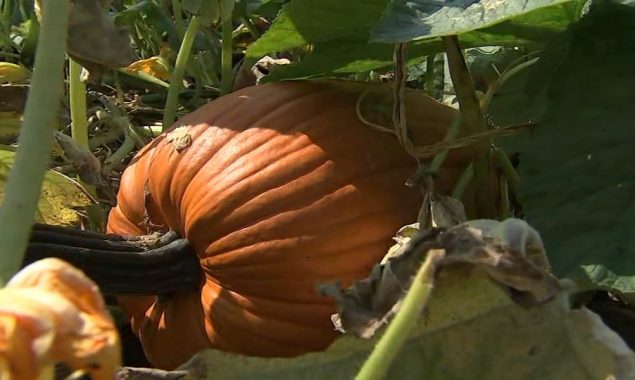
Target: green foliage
[
  {"x": 311, "y": 21},
  {"x": 578, "y": 186},
  {"x": 345, "y": 45},
  {"x": 406, "y": 21},
  {"x": 471, "y": 330},
  {"x": 27, "y": 175},
  {"x": 149, "y": 23}
]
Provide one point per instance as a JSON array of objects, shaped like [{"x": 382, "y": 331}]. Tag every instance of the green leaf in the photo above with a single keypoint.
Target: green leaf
[
  {"x": 454, "y": 340},
  {"x": 310, "y": 21},
  {"x": 226, "y": 8},
  {"x": 354, "y": 54},
  {"x": 405, "y": 21},
  {"x": 347, "y": 56},
  {"x": 147, "y": 12},
  {"x": 577, "y": 175},
  {"x": 60, "y": 196}
]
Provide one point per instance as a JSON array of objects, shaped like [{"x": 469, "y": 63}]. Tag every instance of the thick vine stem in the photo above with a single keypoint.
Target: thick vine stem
[
  {"x": 25, "y": 180},
  {"x": 176, "y": 84},
  {"x": 121, "y": 265},
  {"x": 474, "y": 123}
]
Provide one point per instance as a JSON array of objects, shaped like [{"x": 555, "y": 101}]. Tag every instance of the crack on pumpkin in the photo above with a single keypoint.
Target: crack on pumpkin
[{"x": 180, "y": 139}]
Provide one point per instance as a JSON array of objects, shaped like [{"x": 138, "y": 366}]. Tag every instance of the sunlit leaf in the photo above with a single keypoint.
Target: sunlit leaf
[
  {"x": 155, "y": 66},
  {"x": 60, "y": 196},
  {"x": 311, "y": 21},
  {"x": 12, "y": 73},
  {"x": 471, "y": 329}
]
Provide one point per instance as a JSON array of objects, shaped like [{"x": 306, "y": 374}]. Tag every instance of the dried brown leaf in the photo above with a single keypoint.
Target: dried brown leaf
[
  {"x": 441, "y": 211},
  {"x": 93, "y": 38},
  {"x": 510, "y": 252}
]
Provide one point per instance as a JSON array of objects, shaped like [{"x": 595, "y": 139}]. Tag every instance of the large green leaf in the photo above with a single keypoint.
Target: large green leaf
[
  {"x": 346, "y": 53},
  {"x": 405, "y": 21},
  {"x": 309, "y": 21},
  {"x": 473, "y": 325},
  {"x": 60, "y": 196},
  {"x": 348, "y": 56},
  {"x": 471, "y": 330},
  {"x": 578, "y": 181}
]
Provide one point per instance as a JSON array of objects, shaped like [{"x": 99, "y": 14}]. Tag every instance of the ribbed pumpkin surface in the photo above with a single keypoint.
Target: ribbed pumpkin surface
[{"x": 281, "y": 189}]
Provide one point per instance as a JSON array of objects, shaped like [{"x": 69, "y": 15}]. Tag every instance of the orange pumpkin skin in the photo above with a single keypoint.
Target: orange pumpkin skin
[{"x": 281, "y": 189}]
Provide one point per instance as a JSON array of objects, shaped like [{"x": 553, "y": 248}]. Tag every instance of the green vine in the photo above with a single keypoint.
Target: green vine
[
  {"x": 474, "y": 123},
  {"x": 24, "y": 184},
  {"x": 176, "y": 83},
  {"x": 226, "y": 57}
]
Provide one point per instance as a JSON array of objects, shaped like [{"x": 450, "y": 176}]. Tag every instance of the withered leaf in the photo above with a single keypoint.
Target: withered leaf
[
  {"x": 510, "y": 252},
  {"x": 93, "y": 38},
  {"x": 471, "y": 328}
]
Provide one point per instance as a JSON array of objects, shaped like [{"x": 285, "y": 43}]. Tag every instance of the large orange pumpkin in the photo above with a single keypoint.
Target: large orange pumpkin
[{"x": 279, "y": 188}]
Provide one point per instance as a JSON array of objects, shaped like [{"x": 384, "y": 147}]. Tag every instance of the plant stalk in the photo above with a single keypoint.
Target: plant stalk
[
  {"x": 474, "y": 123},
  {"x": 7, "y": 12},
  {"x": 77, "y": 89},
  {"x": 79, "y": 118},
  {"x": 226, "y": 58},
  {"x": 463, "y": 182},
  {"x": 24, "y": 184},
  {"x": 178, "y": 17},
  {"x": 176, "y": 83},
  {"x": 399, "y": 329}
]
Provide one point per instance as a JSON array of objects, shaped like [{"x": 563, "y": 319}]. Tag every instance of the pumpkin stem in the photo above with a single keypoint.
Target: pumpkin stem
[{"x": 120, "y": 265}]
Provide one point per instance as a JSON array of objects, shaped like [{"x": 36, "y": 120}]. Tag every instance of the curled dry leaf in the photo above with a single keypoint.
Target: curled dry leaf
[
  {"x": 441, "y": 211},
  {"x": 51, "y": 312},
  {"x": 251, "y": 75},
  {"x": 471, "y": 328},
  {"x": 60, "y": 197},
  {"x": 93, "y": 38},
  {"x": 510, "y": 252}
]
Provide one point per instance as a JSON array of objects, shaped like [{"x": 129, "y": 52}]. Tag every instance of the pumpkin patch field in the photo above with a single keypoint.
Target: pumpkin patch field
[{"x": 317, "y": 189}]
